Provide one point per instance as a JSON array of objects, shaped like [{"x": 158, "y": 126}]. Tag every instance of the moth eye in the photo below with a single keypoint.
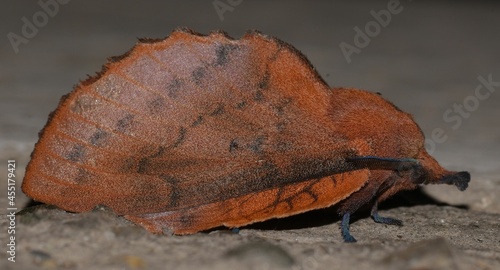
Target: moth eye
[
  {"x": 403, "y": 169},
  {"x": 418, "y": 175},
  {"x": 414, "y": 172}
]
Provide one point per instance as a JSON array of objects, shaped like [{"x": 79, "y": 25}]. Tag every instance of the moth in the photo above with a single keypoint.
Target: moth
[{"x": 193, "y": 132}]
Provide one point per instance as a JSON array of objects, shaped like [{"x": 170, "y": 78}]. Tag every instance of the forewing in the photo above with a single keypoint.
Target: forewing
[{"x": 187, "y": 121}]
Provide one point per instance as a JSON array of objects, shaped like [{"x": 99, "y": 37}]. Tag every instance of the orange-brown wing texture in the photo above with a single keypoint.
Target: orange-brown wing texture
[
  {"x": 189, "y": 122},
  {"x": 258, "y": 206}
]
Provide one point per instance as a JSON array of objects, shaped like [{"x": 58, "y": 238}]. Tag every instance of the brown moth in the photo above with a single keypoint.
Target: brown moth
[{"x": 192, "y": 132}]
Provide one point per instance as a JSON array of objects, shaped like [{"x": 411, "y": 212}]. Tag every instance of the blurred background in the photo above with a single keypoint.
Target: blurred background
[{"x": 432, "y": 59}]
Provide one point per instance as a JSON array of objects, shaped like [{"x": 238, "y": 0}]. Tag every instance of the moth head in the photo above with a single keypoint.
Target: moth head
[{"x": 426, "y": 170}]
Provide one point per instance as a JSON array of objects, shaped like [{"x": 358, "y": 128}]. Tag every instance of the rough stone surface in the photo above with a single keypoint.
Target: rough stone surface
[{"x": 434, "y": 237}]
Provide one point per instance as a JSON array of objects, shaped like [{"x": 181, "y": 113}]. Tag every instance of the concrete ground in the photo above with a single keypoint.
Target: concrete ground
[{"x": 433, "y": 60}]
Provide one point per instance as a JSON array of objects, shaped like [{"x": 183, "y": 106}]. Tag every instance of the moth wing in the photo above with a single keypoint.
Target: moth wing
[
  {"x": 258, "y": 206},
  {"x": 187, "y": 121}
]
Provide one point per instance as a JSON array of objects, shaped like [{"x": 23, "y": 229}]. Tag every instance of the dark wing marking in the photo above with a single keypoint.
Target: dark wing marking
[{"x": 374, "y": 163}]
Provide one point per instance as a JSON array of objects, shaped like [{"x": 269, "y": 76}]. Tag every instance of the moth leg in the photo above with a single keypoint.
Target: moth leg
[
  {"x": 344, "y": 228},
  {"x": 384, "y": 220},
  {"x": 352, "y": 204}
]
